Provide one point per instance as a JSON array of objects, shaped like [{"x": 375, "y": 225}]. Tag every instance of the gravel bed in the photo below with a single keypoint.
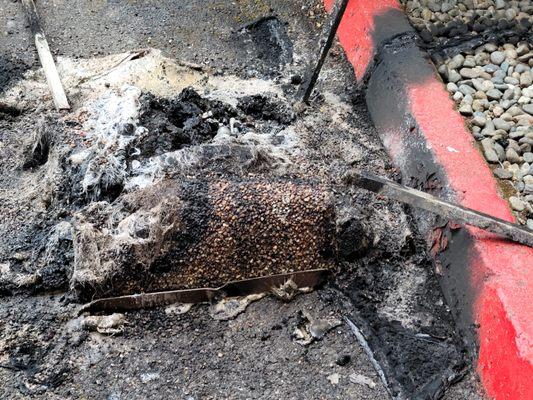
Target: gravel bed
[
  {"x": 451, "y": 18},
  {"x": 493, "y": 88}
]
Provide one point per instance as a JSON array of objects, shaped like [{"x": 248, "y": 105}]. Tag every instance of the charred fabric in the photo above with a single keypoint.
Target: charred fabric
[{"x": 182, "y": 197}]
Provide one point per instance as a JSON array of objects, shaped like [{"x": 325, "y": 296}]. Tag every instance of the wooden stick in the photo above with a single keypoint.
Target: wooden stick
[
  {"x": 328, "y": 34},
  {"x": 45, "y": 56},
  {"x": 441, "y": 207}
]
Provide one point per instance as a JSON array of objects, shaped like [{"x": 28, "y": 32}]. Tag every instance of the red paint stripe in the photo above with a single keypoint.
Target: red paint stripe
[
  {"x": 502, "y": 271},
  {"x": 505, "y": 266},
  {"x": 500, "y": 363},
  {"x": 356, "y": 27}
]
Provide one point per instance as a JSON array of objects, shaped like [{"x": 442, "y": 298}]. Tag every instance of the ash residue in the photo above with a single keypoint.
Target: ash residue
[
  {"x": 263, "y": 107},
  {"x": 267, "y": 39},
  {"x": 187, "y": 119},
  {"x": 405, "y": 320}
]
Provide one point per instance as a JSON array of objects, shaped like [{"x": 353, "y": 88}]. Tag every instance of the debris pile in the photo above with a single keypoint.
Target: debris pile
[{"x": 146, "y": 192}]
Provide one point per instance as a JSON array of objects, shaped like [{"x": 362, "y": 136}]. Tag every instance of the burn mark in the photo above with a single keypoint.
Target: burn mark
[{"x": 268, "y": 39}]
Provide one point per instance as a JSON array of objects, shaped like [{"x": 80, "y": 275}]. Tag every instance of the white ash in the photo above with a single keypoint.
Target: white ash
[{"x": 494, "y": 92}]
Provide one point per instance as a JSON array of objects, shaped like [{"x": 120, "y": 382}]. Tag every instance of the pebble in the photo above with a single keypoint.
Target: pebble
[
  {"x": 502, "y": 173},
  {"x": 465, "y": 89},
  {"x": 469, "y": 73},
  {"x": 512, "y": 156},
  {"x": 528, "y": 108},
  {"x": 500, "y": 123},
  {"x": 517, "y": 204},
  {"x": 528, "y": 157},
  {"x": 497, "y": 57},
  {"x": 479, "y": 120},
  {"x": 494, "y": 94},
  {"x": 488, "y": 150}
]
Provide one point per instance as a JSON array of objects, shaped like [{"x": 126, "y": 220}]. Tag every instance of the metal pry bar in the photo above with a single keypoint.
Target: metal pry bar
[
  {"x": 326, "y": 39},
  {"x": 45, "y": 56},
  {"x": 302, "y": 279},
  {"x": 441, "y": 207}
]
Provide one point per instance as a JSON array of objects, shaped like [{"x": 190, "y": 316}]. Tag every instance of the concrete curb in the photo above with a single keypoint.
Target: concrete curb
[{"x": 488, "y": 282}]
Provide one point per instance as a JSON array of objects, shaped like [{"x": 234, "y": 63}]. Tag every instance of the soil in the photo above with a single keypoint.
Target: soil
[{"x": 389, "y": 291}]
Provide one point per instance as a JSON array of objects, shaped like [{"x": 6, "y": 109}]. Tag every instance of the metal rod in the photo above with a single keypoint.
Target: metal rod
[
  {"x": 441, "y": 207},
  {"x": 302, "y": 279},
  {"x": 328, "y": 34}
]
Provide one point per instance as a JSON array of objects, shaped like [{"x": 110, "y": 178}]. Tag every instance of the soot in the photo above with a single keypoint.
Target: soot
[{"x": 185, "y": 120}]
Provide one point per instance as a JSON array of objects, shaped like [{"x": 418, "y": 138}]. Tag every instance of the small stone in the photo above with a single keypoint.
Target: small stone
[
  {"x": 528, "y": 108},
  {"x": 469, "y": 73},
  {"x": 498, "y": 148},
  {"x": 456, "y": 62},
  {"x": 500, "y": 123},
  {"x": 502, "y": 173},
  {"x": 479, "y": 120},
  {"x": 491, "y": 68},
  {"x": 362, "y": 380},
  {"x": 149, "y": 376},
  {"x": 452, "y": 87},
  {"x": 454, "y": 76},
  {"x": 465, "y": 109},
  {"x": 510, "y": 14},
  {"x": 497, "y": 111},
  {"x": 529, "y": 224},
  {"x": 465, "y": 89},
  {"x": 488, "y": 150},
  {"x": 497, "y": 57},
  {"x": 490, "y": 47},
  {"x": 528, "y": 157},
  {"x": 334, "y": 378},
  {"x": 470, "y": 62},
  {"x": 514, "y": 111},
  {"x": 512, "y": 156},
  {"x": 526, "y": 79},
  {"x": 494, "y": 94},
  {"x": 517, "y": 204},
  {"x": 458, "y": 96}
]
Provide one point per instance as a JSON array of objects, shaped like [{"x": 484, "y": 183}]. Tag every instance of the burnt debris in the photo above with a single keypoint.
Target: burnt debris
[
  {"x": 178, "y": 235},
  {"x": 187, "y": 119}
]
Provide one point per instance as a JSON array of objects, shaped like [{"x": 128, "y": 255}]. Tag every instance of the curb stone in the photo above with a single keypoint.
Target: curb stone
[{"x": 488, "y": 282}]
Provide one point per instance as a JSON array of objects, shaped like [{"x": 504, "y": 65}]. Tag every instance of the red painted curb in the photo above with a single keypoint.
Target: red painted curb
[{"x": 418, "y": 120}]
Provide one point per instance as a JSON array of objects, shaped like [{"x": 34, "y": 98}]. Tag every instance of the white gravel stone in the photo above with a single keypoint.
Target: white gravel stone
[
  {"x": 488, "y": 150},
  {"x": 517, "y": 204},
  {"x": 497, "y": 57},
  {"x": 528, "y": 108},
  {"x": 512, "y": 156},
  {"x": 528, "y": 157}
]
